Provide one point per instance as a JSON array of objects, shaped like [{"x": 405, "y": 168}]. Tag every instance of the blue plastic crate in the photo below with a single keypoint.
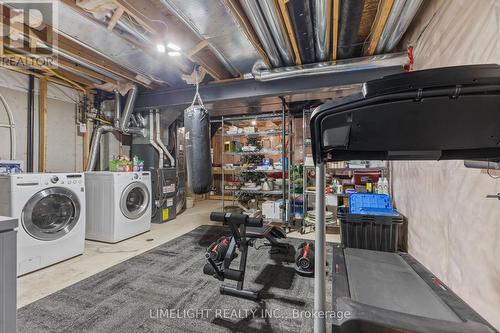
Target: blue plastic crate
[{"x": 371, "y": 204}]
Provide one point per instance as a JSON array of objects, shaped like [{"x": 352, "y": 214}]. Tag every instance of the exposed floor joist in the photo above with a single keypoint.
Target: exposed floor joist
[
  {"x": 335, "y": 28},
  {"x": 378, "y": 26},
  {"x": 289, "y": 29}
]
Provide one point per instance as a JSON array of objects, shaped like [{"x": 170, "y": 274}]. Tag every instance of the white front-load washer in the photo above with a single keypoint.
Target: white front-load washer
[
  {"x": 51, "y": 212},
  {"x": 118, "y": 205}
]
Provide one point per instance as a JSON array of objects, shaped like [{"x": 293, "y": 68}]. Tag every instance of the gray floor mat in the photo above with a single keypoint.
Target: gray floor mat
[
  {"x": 130, "y": 296},
  {"x": 384, "y": 280}
]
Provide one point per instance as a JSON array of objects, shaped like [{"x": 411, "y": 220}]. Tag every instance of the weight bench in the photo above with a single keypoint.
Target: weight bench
[{"x": 245, "y": 231}]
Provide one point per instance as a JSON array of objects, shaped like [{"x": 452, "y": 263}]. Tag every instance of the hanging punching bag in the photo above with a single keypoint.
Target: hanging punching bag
[{"x": 197, "y": 142}]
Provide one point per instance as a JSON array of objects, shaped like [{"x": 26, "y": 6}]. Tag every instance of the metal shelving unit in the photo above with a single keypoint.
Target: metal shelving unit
[{"x": 237, "y": 172}]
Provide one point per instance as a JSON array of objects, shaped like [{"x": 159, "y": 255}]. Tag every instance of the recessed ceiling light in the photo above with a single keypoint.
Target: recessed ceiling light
[
  {"x": 174, "y": 54},
  {"x": 174, "y": 47},
  {"x": 160, "y": 48}
]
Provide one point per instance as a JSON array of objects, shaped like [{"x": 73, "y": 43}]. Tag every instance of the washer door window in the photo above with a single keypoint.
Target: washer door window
[
  {"x": 135, "y": 200},
  {"x": 51, "y": 213}
]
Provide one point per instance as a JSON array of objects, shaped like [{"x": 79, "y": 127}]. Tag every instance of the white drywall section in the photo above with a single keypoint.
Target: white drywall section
[{"x": 453, "y": 229}]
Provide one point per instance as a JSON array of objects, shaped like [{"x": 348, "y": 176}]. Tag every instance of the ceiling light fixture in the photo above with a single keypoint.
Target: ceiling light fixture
[
  {"x": 160, "y": 48},
  {"x": 174, "y": 47},
  {"x": 174, "y": 54}
]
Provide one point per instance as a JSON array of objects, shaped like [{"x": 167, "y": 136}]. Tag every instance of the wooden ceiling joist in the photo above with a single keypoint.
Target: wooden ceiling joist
[
  {"x": 75, "y": 78},
  {"x": 383, "y": 12},
  {"x": 335, "y": 28},
  {"x": 73, "y": 48},
  {"x": 84, "y": 70},
  {"x": 116, "y": 16}
]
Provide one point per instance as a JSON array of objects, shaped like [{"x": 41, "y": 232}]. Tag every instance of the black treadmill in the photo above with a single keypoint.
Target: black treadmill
[{"x": 436, "y": 114}]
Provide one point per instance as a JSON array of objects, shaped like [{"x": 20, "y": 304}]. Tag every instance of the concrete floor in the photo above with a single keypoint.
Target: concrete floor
[{"x": 99, "y": 256}]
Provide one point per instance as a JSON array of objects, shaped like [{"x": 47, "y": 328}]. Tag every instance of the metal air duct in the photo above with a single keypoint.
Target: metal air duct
[
  {"x": 127, "y": 110},
  {"x": 254, "y": 14},
  {"x": 160, "y": 142},
  {"x": 322, "y": 12},
  {"x": 152, "y": 141},
  {"x": 118, "y": 107},
  {"x": 393, "y": 18},
  {"x": 260, "y": 73},
  {"x": 121, "y": 125},
  {"x": 96, "y": 142},
  {"x": 278, "y": 30},
  {"x": 350, "y": 18},
  {"x": 407, "y": 14}
]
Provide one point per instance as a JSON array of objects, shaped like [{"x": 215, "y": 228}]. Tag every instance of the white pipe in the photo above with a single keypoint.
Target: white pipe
[
  {"x": 152, "y": 141},
  {"x": 11, "y": 126},
  {"x": 160, "y": 142}
]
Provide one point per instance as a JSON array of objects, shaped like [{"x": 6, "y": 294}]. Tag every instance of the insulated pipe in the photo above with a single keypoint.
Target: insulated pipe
[
  {"x": 94, "y": 148},
  {"x": 118, "y": 107},
  {"x": 393, "y": 18},
  {"x": 301, "y": 16},
  {"x": 127, "y": 110},
  {"x": 152, "y": 141},
  {"x": 160, "y": 142},
  {"x": 260, "y": 73},
  {"x": 278, "y": 31},
  {"x": 254, "y": 14},
  {"x": 407, "y": 14},
  {"x": 350, "y": 18},
  {"x": 322, "y": 12}
]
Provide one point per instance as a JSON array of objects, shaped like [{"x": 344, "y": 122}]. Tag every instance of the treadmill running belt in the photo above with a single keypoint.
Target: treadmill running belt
[{"x": 381, "y": 278}]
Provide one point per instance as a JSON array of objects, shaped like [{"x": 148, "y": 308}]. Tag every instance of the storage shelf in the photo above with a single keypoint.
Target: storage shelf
[
  {"x": 230, "y": 171},
  {"x": 256, "y": 134},
  {"x": 268, "y": 152},
  {"x": 280, "y": 192}
]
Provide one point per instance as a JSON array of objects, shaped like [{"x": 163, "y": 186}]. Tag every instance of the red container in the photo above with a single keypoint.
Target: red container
[{"x": 361, "y": 177}]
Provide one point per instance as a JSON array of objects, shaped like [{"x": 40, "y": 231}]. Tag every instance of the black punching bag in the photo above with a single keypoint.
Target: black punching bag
[{"x": 198, "y": 157}]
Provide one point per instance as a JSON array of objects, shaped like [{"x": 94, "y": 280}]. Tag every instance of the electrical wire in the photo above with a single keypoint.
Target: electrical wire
[{"x": 79, "y": 87}]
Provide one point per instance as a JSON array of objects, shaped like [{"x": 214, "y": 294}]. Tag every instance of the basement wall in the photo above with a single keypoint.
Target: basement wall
[
  {"x": 453, "y": 229},
  {"x": 64, "y": 143}
]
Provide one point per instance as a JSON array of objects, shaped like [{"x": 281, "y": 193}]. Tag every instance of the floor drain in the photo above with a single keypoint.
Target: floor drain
[{"x": 150, "y": 239}]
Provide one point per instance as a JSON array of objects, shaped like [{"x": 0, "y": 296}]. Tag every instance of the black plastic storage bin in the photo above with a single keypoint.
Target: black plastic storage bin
[{"x": 370, "y": 232}]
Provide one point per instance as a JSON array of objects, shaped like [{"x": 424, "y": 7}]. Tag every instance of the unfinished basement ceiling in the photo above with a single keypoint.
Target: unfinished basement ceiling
[{"x": 111, "y": 42}]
